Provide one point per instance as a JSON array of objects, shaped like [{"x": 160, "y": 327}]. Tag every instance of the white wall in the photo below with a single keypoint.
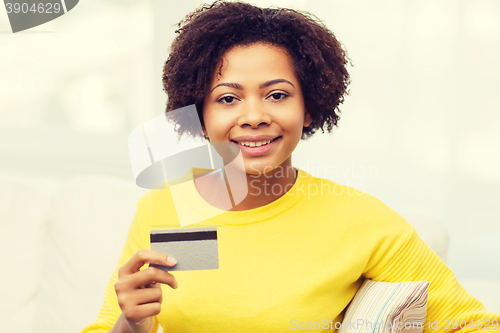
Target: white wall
[{"x": 424, "y": 111}]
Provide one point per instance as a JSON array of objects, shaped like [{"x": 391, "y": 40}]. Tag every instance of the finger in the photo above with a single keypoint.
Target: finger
[
  {"x": 140, "y": 296},
  {"x": 139, "y": 313},
  {"x": 147, "y": 295},
  {"x": 150, "y": 275},
  {"x": 153, "y": 285},
  {"x": 144, "y": 279},
  {"x": 142, "y": 257},
  {"x": 136, "y": 297}
]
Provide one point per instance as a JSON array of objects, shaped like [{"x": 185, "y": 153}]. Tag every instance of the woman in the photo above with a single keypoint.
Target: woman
[{"x": 296, "y": 248}]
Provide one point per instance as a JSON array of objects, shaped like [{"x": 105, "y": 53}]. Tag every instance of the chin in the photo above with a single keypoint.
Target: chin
[
  {"x": 253, "y": 167},
  {"x": 259, "y": 168}
]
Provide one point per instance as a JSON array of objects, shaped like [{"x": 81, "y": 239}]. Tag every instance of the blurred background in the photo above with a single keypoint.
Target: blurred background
[{"x": 420, "y": 129}]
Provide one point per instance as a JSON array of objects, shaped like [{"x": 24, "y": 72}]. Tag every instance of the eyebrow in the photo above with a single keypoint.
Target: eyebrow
[{"x": 261, "y": 86}]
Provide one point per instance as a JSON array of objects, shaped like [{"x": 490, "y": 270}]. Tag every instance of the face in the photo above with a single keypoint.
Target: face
[{"x": 256, "y": 104}]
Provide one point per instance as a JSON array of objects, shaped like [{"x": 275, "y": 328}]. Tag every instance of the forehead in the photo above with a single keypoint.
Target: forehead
[{"x": 254, "y": 61}]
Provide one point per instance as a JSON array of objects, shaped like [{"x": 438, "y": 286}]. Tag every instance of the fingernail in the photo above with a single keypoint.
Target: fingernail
[
  {"x": 175, "y": 284},
  {"x": 171, "y": 261}
]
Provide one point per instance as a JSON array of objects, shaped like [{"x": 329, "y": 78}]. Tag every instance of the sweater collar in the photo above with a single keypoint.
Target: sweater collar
[{"x": 191, "y": 206}]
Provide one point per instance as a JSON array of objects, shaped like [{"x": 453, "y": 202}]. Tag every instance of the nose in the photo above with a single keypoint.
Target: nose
[{"x": 254, "y": 114}]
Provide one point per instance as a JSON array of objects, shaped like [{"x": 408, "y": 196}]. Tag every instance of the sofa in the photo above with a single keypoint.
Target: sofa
[{"x": 61, "y": 239}]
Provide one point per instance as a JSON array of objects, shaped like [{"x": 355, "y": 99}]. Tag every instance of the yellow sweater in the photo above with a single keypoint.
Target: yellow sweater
[{"x": 300, "y": 258}]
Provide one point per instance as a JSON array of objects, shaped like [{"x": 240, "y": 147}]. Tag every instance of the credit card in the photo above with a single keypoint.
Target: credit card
[{"x": 193, "y": 248}]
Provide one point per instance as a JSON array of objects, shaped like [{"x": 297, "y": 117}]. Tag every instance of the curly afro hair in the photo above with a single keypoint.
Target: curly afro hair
[{"x": 206, "y": 34}]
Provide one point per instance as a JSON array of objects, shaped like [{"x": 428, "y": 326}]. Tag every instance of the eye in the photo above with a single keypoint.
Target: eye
[
  {"x": 226, "y": 99},
  {"x": 278, "y": 96}
]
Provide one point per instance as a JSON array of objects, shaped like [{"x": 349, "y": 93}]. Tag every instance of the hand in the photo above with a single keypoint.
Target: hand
[{"x": 139, "y": 292}]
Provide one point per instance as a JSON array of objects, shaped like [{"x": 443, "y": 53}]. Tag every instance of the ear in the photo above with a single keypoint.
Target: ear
[{"x": 307, "y": 119}]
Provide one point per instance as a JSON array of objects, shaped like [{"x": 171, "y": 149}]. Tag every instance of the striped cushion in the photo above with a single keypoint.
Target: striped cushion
[{"x": 387, "y": 307}]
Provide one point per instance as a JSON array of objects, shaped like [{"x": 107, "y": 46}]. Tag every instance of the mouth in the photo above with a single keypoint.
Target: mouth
[
  {"x": 255, "y": 144},
  {"x": 257, "y": 148}
]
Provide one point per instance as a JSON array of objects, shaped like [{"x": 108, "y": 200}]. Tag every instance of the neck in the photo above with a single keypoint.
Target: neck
[
  {"x": 265, "y": 188},
  {"x": 248, "y": 191}
]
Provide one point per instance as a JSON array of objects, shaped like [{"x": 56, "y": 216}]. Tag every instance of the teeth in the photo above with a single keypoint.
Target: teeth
[{"x": 254, "y": 144}]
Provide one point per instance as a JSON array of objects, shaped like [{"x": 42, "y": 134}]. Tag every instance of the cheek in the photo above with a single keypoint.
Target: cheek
[
  {"x": 217, "y": 123},
  {"x": 208, "y": 117},
  {"x": 294, "y": 124}
]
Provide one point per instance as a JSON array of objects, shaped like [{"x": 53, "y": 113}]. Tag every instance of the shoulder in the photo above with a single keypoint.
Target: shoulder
[{"x": 354, "y": 207}]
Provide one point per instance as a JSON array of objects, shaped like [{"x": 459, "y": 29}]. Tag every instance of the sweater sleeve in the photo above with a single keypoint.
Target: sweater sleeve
[
  {"x": 448, "y": 302},
  {"x": 137, "y": 239}
]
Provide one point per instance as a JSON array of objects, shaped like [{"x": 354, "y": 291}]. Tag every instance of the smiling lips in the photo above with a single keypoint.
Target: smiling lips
[
  {"x": 254, "y": 138},
  {"x": 257, "y": 146},
  {"x": 254, "y": 143}
]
